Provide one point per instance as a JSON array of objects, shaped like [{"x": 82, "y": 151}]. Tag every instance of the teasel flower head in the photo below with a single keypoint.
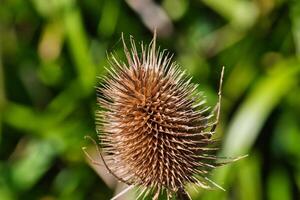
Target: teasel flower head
[{"x": 154, "y": 127}]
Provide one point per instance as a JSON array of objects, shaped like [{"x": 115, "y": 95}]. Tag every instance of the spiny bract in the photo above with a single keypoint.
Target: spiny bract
[{"x": 154, "y": 127}]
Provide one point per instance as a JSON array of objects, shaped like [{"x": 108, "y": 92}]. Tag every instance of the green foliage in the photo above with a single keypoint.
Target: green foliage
[{"x": 51, "y": 53}]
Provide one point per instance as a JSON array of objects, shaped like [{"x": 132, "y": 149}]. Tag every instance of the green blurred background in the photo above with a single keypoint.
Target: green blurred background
[{"x": 51, "y": 52}]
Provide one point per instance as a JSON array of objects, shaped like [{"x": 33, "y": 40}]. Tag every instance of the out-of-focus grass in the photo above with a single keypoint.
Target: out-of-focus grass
[{"x": 51, "y": 53}]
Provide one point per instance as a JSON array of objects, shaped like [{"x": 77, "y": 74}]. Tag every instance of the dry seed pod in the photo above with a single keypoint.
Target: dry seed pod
[{"x": 154, "y": 127}]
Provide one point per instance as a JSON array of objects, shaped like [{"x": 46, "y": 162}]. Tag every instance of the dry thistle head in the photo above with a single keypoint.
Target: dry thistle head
[{"x": 154, "y": 127}]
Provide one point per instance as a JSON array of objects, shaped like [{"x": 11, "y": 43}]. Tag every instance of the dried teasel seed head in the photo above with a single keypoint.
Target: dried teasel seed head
[{"x": 155, "y": 128}]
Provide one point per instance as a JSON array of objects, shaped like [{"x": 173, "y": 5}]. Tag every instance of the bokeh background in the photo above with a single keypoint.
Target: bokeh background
[{"x": 52, "y": 51}]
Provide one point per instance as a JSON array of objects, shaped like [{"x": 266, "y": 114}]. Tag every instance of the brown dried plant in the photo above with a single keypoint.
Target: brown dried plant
[{"x": 154, "y": 127}]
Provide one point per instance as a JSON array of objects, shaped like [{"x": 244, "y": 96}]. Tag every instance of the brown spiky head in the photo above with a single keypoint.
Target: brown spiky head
[{"x": 154, "y": 127}]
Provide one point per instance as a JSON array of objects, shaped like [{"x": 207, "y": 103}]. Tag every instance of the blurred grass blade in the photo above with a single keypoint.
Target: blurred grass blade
[
  {"x": 253, "y": 113},
  {"x": 109, "y": 17},
  {"x": 36, "y": 159},
  {"x": 295, "y": 17},
  {"x": 249, "y": 171},
  {"x": 279, "y": 187},
  {"x": 2, "y": 91},
  {"x": 241, "y": 14},
  {"x": 6, "y": 192},
  {"x": 65, "y": 102},
  {"x": 24, "y": 118},
  {"x": 78, "y": 47}
]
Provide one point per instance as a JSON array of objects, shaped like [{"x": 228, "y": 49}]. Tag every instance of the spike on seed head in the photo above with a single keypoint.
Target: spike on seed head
[{"x": 154, "y": 127}]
